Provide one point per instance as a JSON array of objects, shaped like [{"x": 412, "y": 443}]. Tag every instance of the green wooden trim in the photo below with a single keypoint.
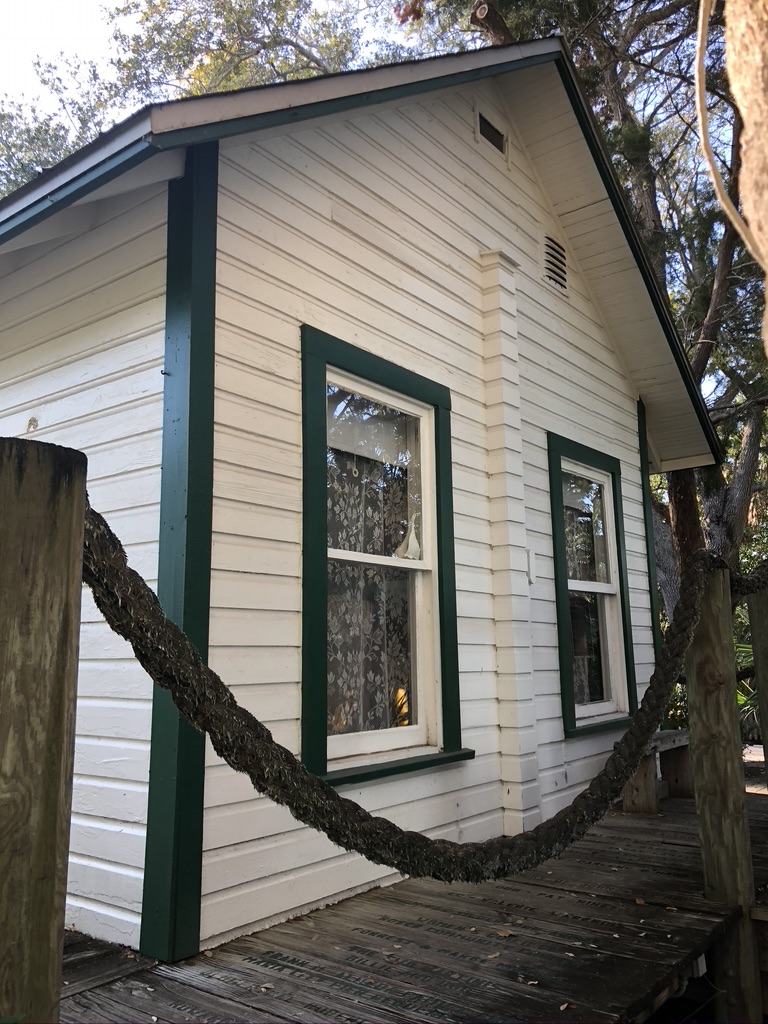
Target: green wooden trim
[
  {"x": 361, "y": 100},
  {"x": 594, "y": 139},
  {"x": 559, "y": 448},
  {"x": 314, "y": 687},
  {"x": 170, "y": 926},
  {"x": 619, "y": 724},
  {"x": 367, "y": 773},
  {"x": 319, "y": 351},
  {"x": 75, "y": 189},
  {"x": 650, "y": 546}
]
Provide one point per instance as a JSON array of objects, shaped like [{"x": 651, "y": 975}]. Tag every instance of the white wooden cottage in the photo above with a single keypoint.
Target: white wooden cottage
[{"x": 362, "y": 366}]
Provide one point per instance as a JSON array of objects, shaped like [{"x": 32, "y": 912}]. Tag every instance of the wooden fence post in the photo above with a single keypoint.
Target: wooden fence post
[
  {"x": 718, "y": 780},
  {"x": 758, "y": 625},
  {"x": 42, "y": 509}
]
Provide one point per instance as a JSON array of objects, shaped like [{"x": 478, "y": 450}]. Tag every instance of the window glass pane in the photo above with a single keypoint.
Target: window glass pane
[
  {"x": 588, "y": 682},
  {"x": 369, "y": 648},
  {"x": 585, "y": 542},
  {"x": 373, "y": 477}
]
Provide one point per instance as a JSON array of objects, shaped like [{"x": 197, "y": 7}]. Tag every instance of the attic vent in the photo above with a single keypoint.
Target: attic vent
[
  {"x": 555, "y": 270},
  {"x": 491, "y": 133}
]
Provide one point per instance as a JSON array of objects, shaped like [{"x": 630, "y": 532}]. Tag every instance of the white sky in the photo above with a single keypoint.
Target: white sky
[{"x": 44, "y": 28}]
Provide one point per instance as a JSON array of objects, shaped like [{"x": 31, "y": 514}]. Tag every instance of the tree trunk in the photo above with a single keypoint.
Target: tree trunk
[
  {"x": 718, "y": 779},
  {"x": 42, "y": 497}
]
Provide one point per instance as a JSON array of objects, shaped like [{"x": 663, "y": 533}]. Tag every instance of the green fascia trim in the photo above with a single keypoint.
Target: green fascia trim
[
  {"x": 349, "y": 776},
  {"x": 559, "y": 448},
  {"x": 170, "y": 927},
  {"x": 594, "y": 139},
  {"x": 357, "y": 101},
  {"x": 320, "y": 350},
  {"x": 73, "y": 190},
  {"x": 650, "y": 546}
]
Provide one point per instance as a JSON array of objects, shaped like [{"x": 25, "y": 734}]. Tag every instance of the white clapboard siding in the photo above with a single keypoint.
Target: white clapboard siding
[
  {"x": 80, "y": 359},
  {"x": 370, "y": 229}
]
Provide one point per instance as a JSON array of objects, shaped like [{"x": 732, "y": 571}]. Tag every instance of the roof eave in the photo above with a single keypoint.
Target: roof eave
[{"x": 602, "y": 160}]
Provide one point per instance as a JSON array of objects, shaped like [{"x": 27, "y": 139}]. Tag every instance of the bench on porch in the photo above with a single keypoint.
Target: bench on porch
[{"x": 665, "y": 770}]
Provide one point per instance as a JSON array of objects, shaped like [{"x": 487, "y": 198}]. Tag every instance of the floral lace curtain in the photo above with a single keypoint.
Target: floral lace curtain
[{"x": 369, "y": 639}]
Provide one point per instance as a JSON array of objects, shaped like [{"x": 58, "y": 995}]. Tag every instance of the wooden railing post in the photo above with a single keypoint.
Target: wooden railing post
[
  {"x": 718, "y": 780},
  {"x": 42, "y": 509},
  {"x": 757, "y": 605}
]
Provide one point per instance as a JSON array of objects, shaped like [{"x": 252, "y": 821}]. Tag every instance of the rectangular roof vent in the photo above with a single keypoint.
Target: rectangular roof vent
[
  {"x": 555, "y": 267},
  {"x": 491, "y": 133}
]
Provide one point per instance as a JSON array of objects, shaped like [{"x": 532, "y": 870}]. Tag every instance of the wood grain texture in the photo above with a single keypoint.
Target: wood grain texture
[
  {"x": 602, "y": 934},
  {"x": 42, "y": 497}
]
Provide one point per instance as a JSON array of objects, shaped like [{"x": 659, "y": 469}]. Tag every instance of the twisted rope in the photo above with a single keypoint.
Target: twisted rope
[{"x": 134, "y": 612}]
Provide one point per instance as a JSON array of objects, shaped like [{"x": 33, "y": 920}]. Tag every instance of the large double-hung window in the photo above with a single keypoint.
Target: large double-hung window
[
  {"x": 594, "y": 634},
  {"x": 380, "y": 675}
]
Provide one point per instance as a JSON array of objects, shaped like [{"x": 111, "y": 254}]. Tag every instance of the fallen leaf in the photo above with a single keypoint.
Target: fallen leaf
[
  {"x": 150, "y": 989},
  {"x": 154, "y": 1018},
  {"x": 207, "y": 952},
  {"x": 395, "y": 946},
  {"x": 520, "y": 921},
  {"x": 473, "y": 929},
  {"x": 670, "y": 908},
  {"x": 643, "y": 934},
  {"x": 492, "y": 956},
  {"x": 131, "y": 956},
  {"x": 570, "y": 954},
  {"x": 266, "y": 987},
  {"x": 66, "y": 982},
  {"x": 568, "y": 1006},
  {"x": 533, "y": 983},
  {"x": 616, "y": 935},
  {"x": 504, "y": 935},
  {"x": 639, "y": 902},
  {"x": 564, "y": 1006}
]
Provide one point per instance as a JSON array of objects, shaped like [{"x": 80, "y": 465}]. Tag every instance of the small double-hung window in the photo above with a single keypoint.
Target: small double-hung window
[
  {"x": 381, "y": 560},
  {"x": 594, "y": 633},
  {"x": 379, "y": 660}
]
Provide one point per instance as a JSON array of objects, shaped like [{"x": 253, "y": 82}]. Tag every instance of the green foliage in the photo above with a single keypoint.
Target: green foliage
[
  {"x": 676, "y": 715},
  {"x": 190, "y": 47}
]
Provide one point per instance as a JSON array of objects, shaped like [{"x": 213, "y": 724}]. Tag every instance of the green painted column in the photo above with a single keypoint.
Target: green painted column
[{"x": 170, "y": 926}]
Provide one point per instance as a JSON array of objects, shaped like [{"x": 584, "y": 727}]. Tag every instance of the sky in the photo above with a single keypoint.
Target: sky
[{"x": 32, "y": 28}]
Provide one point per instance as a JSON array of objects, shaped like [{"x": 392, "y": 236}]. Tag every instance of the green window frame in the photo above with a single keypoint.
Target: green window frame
[
  {"x": 616, "y": 655},
  {"x": 322, "y": 356}
]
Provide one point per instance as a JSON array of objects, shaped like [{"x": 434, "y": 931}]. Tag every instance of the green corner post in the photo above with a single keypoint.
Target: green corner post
[{"x": 170, "y": 925}]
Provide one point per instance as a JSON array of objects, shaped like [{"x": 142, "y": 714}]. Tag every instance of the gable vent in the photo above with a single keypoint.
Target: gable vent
[
  {"x": 555, "y": 269},
  {"x": 491, "y": 134}
]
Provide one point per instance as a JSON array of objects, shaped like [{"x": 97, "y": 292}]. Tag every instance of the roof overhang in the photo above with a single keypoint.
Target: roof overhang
[{"x": 540, "y": 85}]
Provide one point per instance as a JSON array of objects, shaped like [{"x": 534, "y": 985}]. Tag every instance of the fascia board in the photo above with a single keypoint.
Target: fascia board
[
  {"x": 603, "y": 164},
  {"x": 116, "y": 152},
  {"x": 225, "y": 114}
]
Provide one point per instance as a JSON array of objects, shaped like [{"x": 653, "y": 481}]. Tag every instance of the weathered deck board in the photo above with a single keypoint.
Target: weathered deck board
[{"x": 602, "y": 932}]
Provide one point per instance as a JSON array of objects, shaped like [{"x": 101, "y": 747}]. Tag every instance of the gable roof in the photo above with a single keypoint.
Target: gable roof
[{"x": 547, "y": 105}]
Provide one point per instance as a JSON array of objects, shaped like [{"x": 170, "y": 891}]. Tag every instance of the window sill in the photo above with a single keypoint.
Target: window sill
[
  {"x": 591, "y": 726},
  {"x": 384, "y": 769}
]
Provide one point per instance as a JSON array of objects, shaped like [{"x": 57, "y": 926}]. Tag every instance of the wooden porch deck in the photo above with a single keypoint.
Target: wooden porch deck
[{"x": 602, "y": 934}]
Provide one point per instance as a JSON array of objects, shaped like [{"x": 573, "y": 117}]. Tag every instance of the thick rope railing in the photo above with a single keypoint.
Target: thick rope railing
[{"x": 134, "y": 612}]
